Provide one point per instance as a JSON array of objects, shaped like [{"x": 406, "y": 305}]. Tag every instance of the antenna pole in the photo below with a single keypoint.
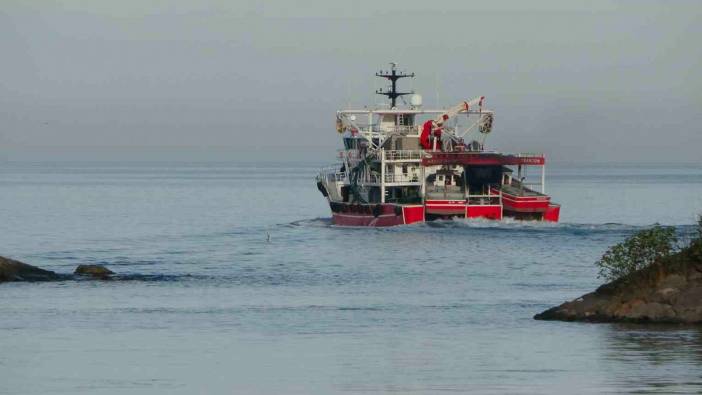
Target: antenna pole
[{"x": 393, "y": 75}]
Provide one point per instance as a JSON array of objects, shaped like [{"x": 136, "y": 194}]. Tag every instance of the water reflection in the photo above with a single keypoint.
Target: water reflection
[{"x": 652, "y": 359}]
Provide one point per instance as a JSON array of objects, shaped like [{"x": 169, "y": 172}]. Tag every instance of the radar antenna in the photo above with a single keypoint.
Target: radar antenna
[{"x": 393, "y": 75}]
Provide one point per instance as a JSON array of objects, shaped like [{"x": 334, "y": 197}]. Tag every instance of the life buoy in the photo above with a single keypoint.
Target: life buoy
[{"x": 485, "y": 126}]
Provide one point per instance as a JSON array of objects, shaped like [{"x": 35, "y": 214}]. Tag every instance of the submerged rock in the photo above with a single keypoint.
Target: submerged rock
[
  {"x": 669, "y": 291},
  {"x": 95, "y": 271},
  {"x": 12, "y": 270}
]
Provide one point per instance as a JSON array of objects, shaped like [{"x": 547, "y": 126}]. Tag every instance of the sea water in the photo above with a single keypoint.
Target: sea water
[{"x": 238, "y": 283}]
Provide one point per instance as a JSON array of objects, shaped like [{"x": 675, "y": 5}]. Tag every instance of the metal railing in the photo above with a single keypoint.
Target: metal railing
[
  {"x": 530, "y": 155},
  {"x": 402, "y": 178},
  {"x": 453, "y": 192},
  {"x": 485, "y": 200},
  {"x": 391, "y": 179},
  {"x": 331, "y": 174},
  {"x": 371, "y": 179},
  {"x": 330, "y": 169},
  {"x": 401, "y": 129},
  {"x": 403, "y": 154},
  {"x": 336, "y": 177},
  {"x": 449, "y": 192}
]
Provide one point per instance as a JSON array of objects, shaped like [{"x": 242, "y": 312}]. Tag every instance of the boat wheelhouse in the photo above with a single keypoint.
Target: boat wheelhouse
[{"x": 405, "y": 165}]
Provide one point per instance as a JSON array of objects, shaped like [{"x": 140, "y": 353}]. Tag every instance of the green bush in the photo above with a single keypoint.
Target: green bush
[
  {"x": 637, "y": 252},
  {"x": 695, "y": 247}
]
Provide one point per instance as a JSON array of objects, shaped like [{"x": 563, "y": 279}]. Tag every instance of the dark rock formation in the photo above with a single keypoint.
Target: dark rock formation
[
  {"x": 11, "y": 270},
  {"x": 669, "y": 291},
  {"x": 95, "y": 271}
]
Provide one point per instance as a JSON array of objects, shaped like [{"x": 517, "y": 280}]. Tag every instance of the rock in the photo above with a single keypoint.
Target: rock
[
  {"x": 673, "y": 281},
  {"x": 11, "y": 270},
  {"x": 669, "y": 291},
  {"x": 95, "y": 271},
  {"x": 651, "y": 312}
]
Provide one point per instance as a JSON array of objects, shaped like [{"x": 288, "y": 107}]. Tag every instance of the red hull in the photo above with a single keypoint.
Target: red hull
[
  {"x": 530, "y": 207},
  {"x": 552, "y": 213},
  {"x": 388, "y": 214},
  {"x": 392, "y": 214},
  {"x": 484, "y": 211},
  {"x": 461, "y": 209},
  {"x": 377, "y": 215},
  {"x": 446, "y": 207}
]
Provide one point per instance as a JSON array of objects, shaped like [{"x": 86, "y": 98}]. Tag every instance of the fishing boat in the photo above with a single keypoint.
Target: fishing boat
[{"x": 402, "y": 164}]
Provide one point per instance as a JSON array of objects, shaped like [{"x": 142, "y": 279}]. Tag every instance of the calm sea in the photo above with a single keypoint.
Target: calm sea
[{"x": 214, "y": 307}]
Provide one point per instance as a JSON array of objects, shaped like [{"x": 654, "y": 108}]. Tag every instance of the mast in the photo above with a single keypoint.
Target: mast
[{"x": 393, "y": 75}]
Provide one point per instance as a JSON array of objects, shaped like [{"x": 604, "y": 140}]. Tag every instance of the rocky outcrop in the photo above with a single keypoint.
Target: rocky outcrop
[
  {"x": 12, "y": 270},
  {"x": 669, "y": 291},
  {"x": 94, "y": 271}
]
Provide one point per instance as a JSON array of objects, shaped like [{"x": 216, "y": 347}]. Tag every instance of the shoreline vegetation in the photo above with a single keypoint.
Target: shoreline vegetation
[{"x": 651, "y": 281}]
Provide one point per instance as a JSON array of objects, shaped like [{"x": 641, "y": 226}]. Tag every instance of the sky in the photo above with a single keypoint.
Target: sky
[{"x": 595, "y": 81}]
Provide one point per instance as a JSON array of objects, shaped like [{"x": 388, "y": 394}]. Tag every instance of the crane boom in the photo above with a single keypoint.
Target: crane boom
[
  {"x": 434, "y": 127},
  {"x": 459, "y": 108}
]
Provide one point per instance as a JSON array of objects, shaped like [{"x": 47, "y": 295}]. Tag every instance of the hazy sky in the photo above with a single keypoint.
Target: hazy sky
[{"x": 228, "y": 80}]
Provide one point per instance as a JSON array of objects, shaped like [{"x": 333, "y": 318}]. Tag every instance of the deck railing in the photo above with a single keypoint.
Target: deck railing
[
  {"x": 402, "y": 178},
  {"x": 401, "y": 129},
  {"x": 403, "y": 154},
  {"x": 530, "y": 155},
  {"x": 450, "y": 192},
  {"x": 485, "y": 200},
  {"x": 455, "y": 193},
  {"x": 331, "y": 174}
]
